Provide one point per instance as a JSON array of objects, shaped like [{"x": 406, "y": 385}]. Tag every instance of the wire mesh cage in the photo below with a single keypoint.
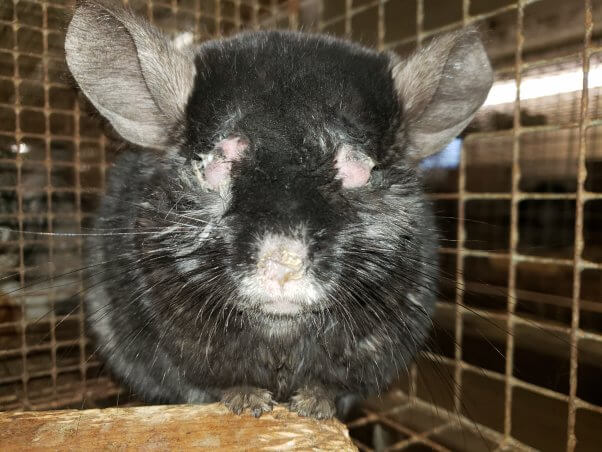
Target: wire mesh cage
[{"x": 515, "y": 359}]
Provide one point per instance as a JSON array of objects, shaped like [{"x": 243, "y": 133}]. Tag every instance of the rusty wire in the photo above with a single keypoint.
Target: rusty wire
[{"x": 85, "y": 386}]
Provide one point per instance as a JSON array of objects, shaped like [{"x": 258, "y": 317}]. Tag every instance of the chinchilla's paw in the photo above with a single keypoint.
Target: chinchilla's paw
[
  {"x": 240, "y": 398},
  {"x": 313, "y": 402}
]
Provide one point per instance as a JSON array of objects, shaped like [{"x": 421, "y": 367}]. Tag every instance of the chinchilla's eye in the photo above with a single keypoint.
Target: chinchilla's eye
[
  {"x": 353, "y": 167},
  {"x": 214, "y": 169}
]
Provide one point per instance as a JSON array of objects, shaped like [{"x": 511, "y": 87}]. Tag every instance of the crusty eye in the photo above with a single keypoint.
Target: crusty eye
[
  {"x": 214, "y": 168},
  {"x": 353, "y": 167}
]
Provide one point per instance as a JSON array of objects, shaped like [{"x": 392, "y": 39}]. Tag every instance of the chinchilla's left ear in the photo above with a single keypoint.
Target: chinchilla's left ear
[
  {"x": 440, "y": 88},
  {"x": 129, "y": 70}
]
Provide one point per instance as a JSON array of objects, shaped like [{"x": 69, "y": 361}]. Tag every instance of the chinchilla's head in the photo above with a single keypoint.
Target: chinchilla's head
[{"x": 287, "y": 161}]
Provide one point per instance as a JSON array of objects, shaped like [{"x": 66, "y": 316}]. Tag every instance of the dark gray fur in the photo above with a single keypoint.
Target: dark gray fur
[{"x": 164, "y": 302}]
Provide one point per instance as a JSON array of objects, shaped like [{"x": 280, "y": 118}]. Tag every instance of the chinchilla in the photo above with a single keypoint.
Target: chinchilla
[{"x": 277, "y": 245}]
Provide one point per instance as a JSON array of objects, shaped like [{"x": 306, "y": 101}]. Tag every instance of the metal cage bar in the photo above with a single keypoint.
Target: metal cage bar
[{"x": 42, "y": 378}]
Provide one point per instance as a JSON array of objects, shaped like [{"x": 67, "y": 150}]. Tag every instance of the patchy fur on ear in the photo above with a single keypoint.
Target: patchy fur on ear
[
  {"x": 133, "y": 74},
  {"x": 441, "y": 87}
]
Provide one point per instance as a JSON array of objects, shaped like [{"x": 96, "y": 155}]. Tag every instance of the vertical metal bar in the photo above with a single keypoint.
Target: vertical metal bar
[
  {"x": 218, "y": 17},
  {"x": 237, "y": 21},
  {"x": 19, "y": 190},
  {"x": 197, "y": 19},
  {"x": 579, "y": 205},
  {"x": 320, "y": 15},
  {"x": 381, "y": 24},
  {"x": 149, "y": 10},
  {"x": 174, "y": 12},
  {"x": 274, "y": 11},
  {"x": 419, "y": 22},
  {"x": 255, "y": 15},
  {"x": 514, "y": 201},
  {"x": 49, "y": 217},
  {"x": 293, "y": 14},
  {"x": 84, "y": 360},
  {"x": 413, "y": 376},
  {"x": 348, "y": 8},
  {"x": 460, "y": 282},
  {"x": 78, "y": 217}
]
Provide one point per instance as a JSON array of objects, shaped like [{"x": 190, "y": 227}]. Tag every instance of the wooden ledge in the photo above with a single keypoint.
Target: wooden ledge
[{"x": 170, "y": 427}]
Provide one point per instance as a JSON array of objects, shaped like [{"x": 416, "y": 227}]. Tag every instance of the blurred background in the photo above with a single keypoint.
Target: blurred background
[{"x": 515, "y": 361}]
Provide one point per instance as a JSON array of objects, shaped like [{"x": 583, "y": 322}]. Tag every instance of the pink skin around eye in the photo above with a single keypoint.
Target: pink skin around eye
[
  {"x": 218, "y": 171},
  {"x": 233, "y": 147},
  {"x": 353, "y": 172}
]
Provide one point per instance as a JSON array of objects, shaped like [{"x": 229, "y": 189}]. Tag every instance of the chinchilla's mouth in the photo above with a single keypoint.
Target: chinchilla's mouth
[
  {"x": 277, "y": 324},
  {"x": 281, "y": 307},
  {"x": 295, "y": 297}
]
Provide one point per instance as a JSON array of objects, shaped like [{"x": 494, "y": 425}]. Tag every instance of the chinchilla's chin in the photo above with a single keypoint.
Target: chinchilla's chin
[{"x": 281, "y": 325}]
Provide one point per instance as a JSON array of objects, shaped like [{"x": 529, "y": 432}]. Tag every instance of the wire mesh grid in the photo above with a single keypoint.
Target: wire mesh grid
[{"x": 515, "y": 358}]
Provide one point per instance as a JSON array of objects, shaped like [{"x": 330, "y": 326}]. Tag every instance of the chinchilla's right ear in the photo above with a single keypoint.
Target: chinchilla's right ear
[{"x": 129, "y": 70}]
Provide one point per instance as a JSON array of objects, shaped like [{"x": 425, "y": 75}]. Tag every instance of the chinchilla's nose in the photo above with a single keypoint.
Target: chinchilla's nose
[
  {"x": 281, "y": 260},
  {"x": 281, "y": 266}
]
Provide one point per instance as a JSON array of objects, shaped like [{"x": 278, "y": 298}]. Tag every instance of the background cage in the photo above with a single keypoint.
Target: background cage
[{"x": 515, "y": 361}]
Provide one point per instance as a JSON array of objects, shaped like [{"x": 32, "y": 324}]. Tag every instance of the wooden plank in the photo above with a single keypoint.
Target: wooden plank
[{"x": 172, "y": 427}]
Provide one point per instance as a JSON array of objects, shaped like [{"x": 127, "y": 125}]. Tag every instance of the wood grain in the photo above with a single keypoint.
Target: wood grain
[{"x": 173, "y": 427}]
